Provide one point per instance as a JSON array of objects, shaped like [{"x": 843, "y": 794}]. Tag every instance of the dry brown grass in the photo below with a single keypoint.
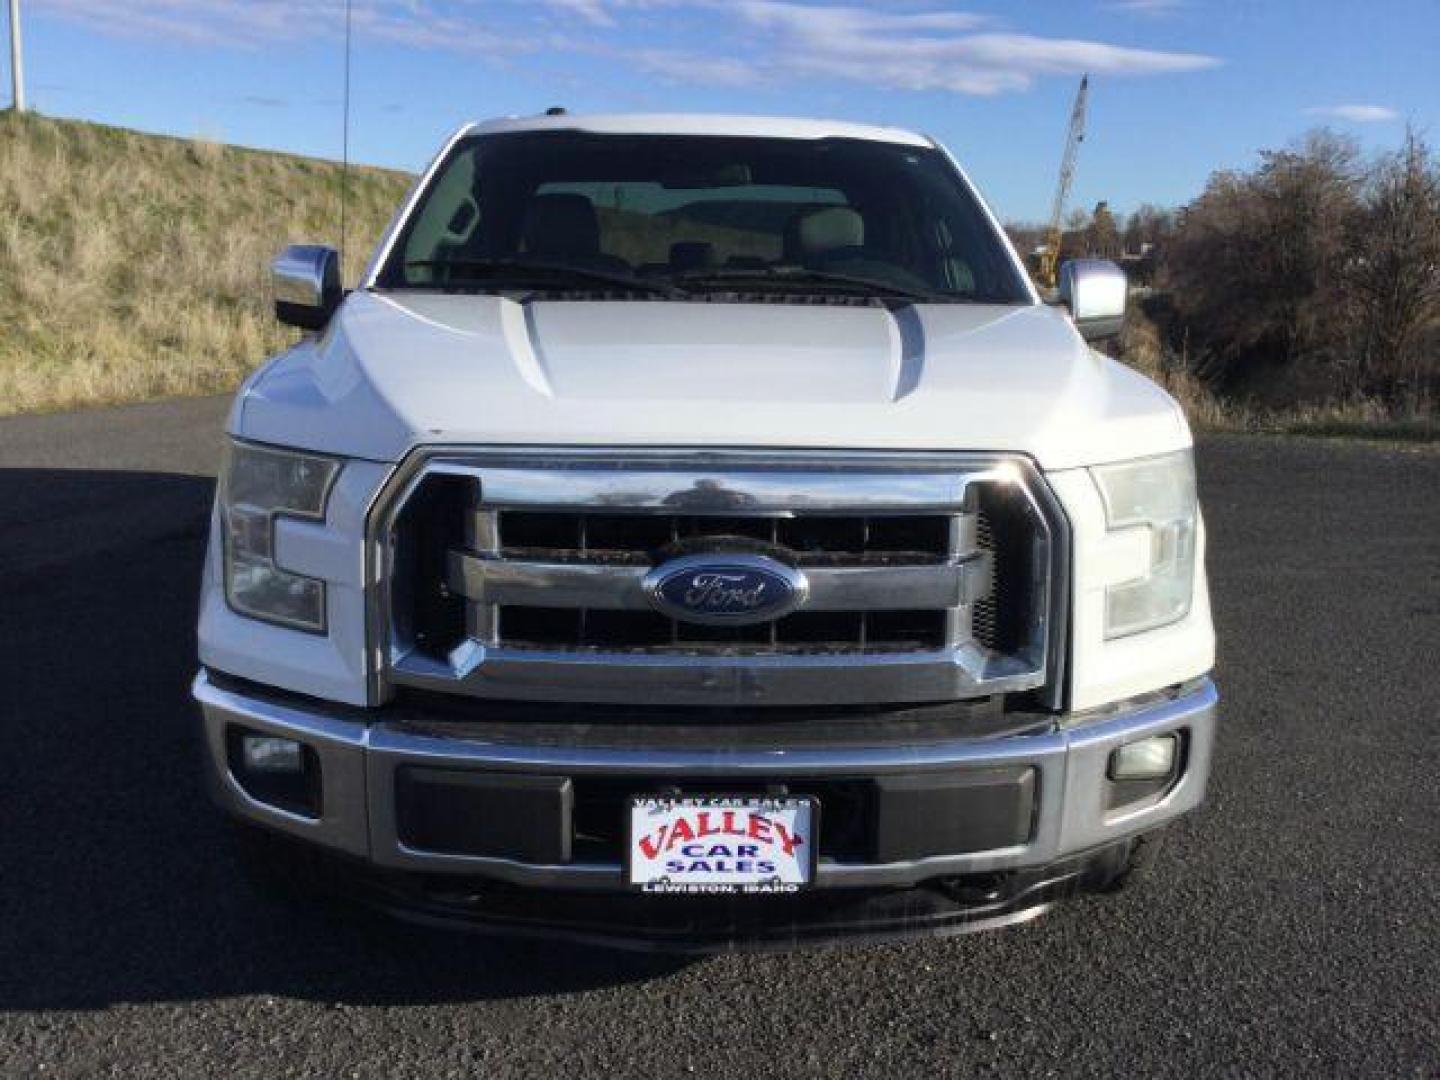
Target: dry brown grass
[
  {"x": 134, "y": 266},
  {"x": 1142, "y": 349}
]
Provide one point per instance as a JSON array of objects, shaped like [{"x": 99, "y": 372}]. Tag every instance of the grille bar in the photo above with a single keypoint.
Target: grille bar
[
  {"x": 806, "y": 632},
  {"x": 813, "y": 539},
  {"x": 606, "y": 586},
  {"x": 724, "y": 490}
]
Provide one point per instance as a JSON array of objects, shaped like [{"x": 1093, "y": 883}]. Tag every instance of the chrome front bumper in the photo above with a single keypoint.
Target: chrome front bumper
[{"x": 359, "y": 764}]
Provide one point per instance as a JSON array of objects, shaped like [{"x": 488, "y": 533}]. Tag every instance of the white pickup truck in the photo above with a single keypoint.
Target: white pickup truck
[{"x": 697, "y": 531}]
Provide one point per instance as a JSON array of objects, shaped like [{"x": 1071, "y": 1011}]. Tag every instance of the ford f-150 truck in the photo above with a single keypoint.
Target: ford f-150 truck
[{"x": 697, "y": 531}]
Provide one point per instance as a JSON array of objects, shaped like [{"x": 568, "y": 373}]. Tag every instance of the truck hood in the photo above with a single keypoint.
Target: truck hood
[{"x": 398, "y": 370}]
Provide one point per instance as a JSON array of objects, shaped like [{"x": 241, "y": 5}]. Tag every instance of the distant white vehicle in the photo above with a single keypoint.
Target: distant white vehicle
[{"x": 697, "y": 530}]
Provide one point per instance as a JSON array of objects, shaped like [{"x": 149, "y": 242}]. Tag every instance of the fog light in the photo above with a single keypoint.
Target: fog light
[
  {"x": 1147, "y": 759},
  {"x": 273, "y": 756}
]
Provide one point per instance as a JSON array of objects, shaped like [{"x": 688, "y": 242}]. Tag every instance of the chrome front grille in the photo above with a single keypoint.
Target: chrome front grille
[
  {"x": 920, "y": 550},
  {"x": 522, "y": 576}
]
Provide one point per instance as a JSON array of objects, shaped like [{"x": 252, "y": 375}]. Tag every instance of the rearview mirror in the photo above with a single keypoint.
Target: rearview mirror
[
  {"x": 697, "y": 177},
  {"x": 1095, "y": 291},
  {"x": 306, "y": 278}
]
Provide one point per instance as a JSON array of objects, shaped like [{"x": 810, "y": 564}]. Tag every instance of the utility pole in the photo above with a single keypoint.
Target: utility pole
[{"x": 17, "y": 65}]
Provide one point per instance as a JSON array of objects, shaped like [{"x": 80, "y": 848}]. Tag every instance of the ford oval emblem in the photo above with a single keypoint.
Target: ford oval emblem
[{"x": 725, "y": 589}]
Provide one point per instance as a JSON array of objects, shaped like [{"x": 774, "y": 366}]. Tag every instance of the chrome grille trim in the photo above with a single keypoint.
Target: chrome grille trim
[
  {"x": 703, "y": 679},
  {"x": 721, "y": 491},
  {"x": 502, "y": 582},
  {"x": 741, "y": 484}
]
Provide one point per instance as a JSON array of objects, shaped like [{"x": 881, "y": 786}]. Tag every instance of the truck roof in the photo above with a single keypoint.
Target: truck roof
[{"x": 772, "y": 127}]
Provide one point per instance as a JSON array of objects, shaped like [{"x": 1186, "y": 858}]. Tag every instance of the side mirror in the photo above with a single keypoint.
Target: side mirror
[
  {"x": 1095, "y": 291},
  {"x": 306, "y": 278}
]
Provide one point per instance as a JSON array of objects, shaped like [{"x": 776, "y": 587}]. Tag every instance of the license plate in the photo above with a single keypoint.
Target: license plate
[{"x": 721, "y": 844}]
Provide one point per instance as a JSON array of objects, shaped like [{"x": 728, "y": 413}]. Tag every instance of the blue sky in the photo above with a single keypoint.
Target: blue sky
[{"x": 1180, "y": 87}]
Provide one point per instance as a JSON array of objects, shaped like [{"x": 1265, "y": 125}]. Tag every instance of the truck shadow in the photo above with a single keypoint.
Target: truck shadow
[{"x": 118, "y": 881}]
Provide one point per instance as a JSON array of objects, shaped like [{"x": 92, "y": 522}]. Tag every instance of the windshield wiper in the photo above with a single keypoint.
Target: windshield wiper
[
  {"x": 803, "y": 276},
  {"x": 518, "y": 268}
]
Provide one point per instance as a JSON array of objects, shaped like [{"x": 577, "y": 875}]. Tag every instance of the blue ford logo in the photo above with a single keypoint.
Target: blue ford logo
[{"x": 728, "y": 590}]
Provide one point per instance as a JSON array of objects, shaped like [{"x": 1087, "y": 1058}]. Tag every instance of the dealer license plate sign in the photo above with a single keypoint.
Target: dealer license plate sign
[{"x": 721, "y": 844}]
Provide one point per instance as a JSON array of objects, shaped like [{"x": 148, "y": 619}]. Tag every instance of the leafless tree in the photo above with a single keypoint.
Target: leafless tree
[
  {"x": 1102, "y": 236},
  {"x": 1394, "y": 274},
  {"x": 1256, "y": 261},
  {"x": 1147, "y": 228}
]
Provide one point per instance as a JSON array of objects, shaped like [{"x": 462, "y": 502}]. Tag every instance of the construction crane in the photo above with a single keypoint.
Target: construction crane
[{"x": 1050, "y": 257}]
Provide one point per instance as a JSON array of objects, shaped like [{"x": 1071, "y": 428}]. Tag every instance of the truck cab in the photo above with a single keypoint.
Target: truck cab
[{"x": 695, "y": 532}]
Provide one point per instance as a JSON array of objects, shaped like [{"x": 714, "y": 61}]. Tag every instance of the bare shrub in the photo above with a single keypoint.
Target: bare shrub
[
  {"x": 1256, "y": 263},
  {"x": 1313, "y": 282},
  {"x": 1395, "y": 277}
]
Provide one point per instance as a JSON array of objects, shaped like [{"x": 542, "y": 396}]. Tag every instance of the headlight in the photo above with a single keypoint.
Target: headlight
[
  {"x": 1157, "y": 495},
  {"x": 258, "y": 485}
]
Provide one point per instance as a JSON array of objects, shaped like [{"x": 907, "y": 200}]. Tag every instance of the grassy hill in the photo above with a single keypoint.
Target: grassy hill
[{"x": 135, "y": 266}]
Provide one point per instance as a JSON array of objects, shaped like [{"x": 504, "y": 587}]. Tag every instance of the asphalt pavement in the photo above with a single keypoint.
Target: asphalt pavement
[{"x": 1292, "y": 928}]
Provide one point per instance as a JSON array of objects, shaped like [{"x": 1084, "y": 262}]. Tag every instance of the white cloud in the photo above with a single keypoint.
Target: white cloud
[
  {"x": 754, "y": 41},
  {"x": 1147, "y": 7},
  {"x": 591, "y": 11},
  {"x": 195, "y": 22},
  {"x": 940, "y": 51},
  {"x": 839, "y": 21},
  {"x": 254, "y": 23},
  {"x": 684, "y": 67},
  {"x": 1356, "y": 114}
]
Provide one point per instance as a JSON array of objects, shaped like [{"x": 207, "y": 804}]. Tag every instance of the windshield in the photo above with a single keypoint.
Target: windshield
[{"x": 681, "y": 215}]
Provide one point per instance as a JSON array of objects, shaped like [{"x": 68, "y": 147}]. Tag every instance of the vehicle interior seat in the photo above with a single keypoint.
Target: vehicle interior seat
[
  {"x": 564, "y": 228},
  {"x": 825, "y": 234},
  {"x": 834, "y": 239}
]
